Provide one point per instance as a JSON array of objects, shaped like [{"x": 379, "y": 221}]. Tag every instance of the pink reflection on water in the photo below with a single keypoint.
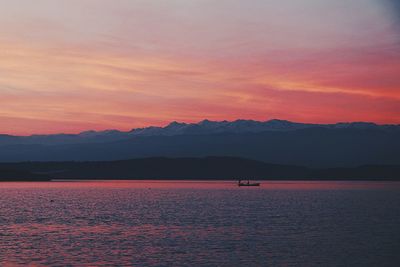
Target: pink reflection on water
[
  {"x": 73, "y": 250},
  {"x": 190, "y": 223}
]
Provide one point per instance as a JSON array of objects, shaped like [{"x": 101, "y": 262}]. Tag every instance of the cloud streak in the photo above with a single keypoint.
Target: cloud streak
[{"x": 92, "y": 65}]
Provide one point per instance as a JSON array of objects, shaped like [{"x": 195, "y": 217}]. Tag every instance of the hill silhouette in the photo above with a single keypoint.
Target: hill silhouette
[
  {"x": 229, "y": 168},
  {"x": 21, "y": 175},
  {"x": 274, "y": 141}
]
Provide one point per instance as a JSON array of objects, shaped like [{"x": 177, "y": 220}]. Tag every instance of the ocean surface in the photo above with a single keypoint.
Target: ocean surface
[{"x": 197, "y": 223}]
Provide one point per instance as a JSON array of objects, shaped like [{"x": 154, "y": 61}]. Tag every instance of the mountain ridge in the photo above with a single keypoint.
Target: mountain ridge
[
  {"x": 243, "y": 125},
  {"x": 274, "y": 141}
]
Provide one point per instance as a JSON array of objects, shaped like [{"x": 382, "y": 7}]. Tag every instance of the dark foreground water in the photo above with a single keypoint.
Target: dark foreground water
[{"x": 199, "y": 224}]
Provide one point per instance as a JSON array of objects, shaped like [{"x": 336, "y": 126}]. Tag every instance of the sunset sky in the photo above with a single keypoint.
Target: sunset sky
[{"x": 75, "y": 65}]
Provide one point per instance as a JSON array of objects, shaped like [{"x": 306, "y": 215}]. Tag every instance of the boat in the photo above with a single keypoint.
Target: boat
[{"x": 240, "y": 183}]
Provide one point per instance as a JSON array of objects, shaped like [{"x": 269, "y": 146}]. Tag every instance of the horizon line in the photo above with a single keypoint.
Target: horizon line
[{"x": 193, "y": 123}]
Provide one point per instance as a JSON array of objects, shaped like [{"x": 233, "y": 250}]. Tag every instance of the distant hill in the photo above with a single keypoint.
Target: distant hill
[
  {"x": 228, "y": 168},
  {"x": 274, "y": 141},
  {"x": 21, "y": 175}
]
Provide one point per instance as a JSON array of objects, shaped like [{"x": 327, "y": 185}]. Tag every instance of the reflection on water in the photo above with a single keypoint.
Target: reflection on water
[{"x": 153, "y": 223}]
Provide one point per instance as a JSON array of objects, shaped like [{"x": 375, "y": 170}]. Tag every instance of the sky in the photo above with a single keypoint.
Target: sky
[{"x": 71, "y": 66}]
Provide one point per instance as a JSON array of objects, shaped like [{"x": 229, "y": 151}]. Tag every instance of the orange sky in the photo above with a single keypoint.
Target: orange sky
[{"x": 70, "y": 66}]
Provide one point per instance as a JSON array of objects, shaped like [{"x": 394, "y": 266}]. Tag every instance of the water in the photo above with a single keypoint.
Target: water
[{"x": 172, "y": 223}]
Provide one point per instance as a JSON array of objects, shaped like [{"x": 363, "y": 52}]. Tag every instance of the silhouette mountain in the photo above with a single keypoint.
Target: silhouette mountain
[{"x": 274, "y": 141}]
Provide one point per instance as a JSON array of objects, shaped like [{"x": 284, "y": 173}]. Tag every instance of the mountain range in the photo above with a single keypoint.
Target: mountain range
[{"x": 274, "y": 141}]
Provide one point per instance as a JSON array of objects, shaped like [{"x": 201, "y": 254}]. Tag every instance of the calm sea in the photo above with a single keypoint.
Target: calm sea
[{"x": 175, "y": 223}]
